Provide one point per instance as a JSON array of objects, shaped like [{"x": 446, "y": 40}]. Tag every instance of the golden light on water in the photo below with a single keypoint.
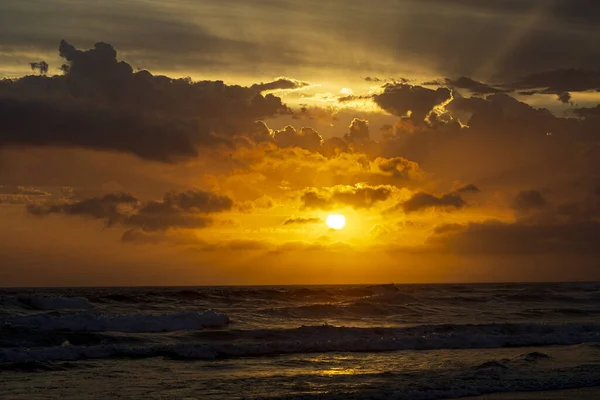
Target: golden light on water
[{"x": 336, "y": 221}]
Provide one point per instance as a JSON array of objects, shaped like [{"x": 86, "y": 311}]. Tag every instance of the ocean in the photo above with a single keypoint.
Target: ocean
[{"x": 298, "y": 342}]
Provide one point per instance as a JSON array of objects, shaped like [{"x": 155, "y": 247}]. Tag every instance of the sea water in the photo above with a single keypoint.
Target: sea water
[{"x": 313, "y": 342}]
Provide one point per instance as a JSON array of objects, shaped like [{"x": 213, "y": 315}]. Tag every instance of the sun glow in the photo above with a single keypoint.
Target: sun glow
[{"x": 336, "y": 221}]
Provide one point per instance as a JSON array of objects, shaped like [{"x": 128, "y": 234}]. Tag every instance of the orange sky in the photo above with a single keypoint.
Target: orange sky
[{"x": 451, "y": 161}]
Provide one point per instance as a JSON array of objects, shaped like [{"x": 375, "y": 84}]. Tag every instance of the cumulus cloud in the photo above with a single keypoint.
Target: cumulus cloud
[
  {"x": 306, "y": 138},
  {"x": 398, "y": 168},
  {"x": 359, "y": 131},
  {"x": 360, "y": 196}
]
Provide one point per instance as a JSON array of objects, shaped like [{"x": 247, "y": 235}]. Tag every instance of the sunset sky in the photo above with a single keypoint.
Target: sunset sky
[{"x": 206, "y": 142}]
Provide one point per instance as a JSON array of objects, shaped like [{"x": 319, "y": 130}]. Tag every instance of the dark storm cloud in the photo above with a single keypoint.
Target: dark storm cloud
[
  {"x": 189, "y": 209},
  {"x": 399, "y": 99},
  {"x": 302, "y": 220},
  {"x": 102, "y": 104},
  {"x": 357, "y": 197},
  {"x": 44, "y": 123},
  {"x": 422, "y": 201},
  {"x": 528, "y": 200}
]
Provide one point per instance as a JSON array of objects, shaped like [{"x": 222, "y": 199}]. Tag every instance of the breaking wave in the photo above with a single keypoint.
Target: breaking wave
[{"x": 322, "y": 339}]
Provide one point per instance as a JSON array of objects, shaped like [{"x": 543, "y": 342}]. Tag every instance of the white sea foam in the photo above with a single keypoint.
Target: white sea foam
[{"x": 89, "y": 322}]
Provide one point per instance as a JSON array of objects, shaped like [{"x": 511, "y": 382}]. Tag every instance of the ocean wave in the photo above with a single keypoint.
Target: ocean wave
[
  {"x": 59, "y": 303},
  {"x": 355, "y": 309},
  {"x": 322, "y": 339},
  {"x": 89, "y": 322},
  {"x": 47, "y": 303},
  {"x": 233, "y": 295}
]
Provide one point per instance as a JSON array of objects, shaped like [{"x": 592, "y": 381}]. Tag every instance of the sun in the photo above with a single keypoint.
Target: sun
[{"x": 336, "y": 221}]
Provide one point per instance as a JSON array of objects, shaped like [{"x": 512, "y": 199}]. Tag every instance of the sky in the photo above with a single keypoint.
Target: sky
[{"x": 206, "y": 143}]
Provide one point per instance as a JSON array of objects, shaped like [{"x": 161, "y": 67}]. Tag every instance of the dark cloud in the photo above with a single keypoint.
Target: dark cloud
[
  {"x": 564, "y": 97},
  {"x": 108, "y": 208},
  {"x": 187, "y": 209},
  {"x": 528, "y": 200},
  {"x": 334, "y": 146},
  {"x": 359, "y": 131},
  {"x": 44, "y": 123},
  {"x": 587, "y": 112},
  {"x": 512, "y": 36},
  {"x": 399, "y": 99},
  {"x": 398, "y": 168},
  {"x": 100, "y": 103},
  {"x": 560, "y": 81},
  {"x": 495, "y": 237},
  {"x": 353, "y": 97},
  {"x": 306, "y": 138},
  {"x": 470, "y": 188},
  {"x": 302, "y": 220},
  {"x": 280, "y": 84},
  {"x": 179, "y": 210},
  {"x": 504, "y": 115},
  {"x": 357, "y": 197},
  {"x": 473, "y": 86},
  {"x": 421, "y": 201}
]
